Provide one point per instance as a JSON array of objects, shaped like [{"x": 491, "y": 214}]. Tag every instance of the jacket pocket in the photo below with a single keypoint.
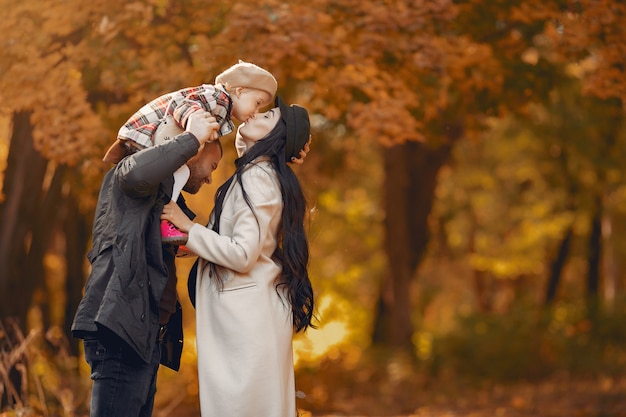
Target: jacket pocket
[
  {"x": 131, "y": 272},
  {"x": 133, "y": 285},
  {"x": 249, "y": 287}
]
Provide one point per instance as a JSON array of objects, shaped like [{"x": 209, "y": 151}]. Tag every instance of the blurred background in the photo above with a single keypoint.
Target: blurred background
[{"x": 466, "y": 189}]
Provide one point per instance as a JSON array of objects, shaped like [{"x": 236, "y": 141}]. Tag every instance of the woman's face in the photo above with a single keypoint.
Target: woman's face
[{"x": 259, "y": 125}]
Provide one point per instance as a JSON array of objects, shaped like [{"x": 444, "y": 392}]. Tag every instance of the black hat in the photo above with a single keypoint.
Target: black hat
[{"x": 298, "y": 127}]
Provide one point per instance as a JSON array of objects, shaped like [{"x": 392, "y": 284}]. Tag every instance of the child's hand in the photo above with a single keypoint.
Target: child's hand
[
  {"x": 303, "y": 154},
  {"x": 176, "y": 216}
]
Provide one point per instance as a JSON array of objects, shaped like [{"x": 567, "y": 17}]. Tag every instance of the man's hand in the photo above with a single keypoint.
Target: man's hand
[
  {"x": 203, "y": 126},
  {"x": 303, "y": 153}
]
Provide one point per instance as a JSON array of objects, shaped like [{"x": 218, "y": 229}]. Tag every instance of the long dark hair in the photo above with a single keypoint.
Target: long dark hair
[{"x": 292, "y": 252}]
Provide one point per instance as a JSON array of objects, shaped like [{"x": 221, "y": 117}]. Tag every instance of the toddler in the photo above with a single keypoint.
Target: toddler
[{"x": 239, "y": 92}]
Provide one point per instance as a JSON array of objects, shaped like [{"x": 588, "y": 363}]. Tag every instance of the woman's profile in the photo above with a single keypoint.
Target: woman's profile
[{"x": 252, "y": 287}]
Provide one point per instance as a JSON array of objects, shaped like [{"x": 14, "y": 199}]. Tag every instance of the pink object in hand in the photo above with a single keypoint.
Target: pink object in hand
[{"x": 171, "y": 234}]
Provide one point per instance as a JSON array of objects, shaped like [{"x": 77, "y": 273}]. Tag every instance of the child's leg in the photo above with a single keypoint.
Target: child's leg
[
  {"x": 181, "y": 175},
  {"x": 169, "y": 232}
]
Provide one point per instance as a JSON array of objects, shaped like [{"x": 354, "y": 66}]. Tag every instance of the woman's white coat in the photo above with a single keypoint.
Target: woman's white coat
[{"x": 244, "y": 330}]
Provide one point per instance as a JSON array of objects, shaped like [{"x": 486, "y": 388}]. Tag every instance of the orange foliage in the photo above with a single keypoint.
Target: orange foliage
[
  {"x": 358, "y": 59},
  {"x": 41, "y": 72},
  {"x": 593, "y": 36},
  {"x": 386, "y": 69}
]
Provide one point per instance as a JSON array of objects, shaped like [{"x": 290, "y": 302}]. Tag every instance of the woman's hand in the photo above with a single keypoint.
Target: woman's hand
[
  {"x": 303, "y": 153},
  {"x": 176, "y": 216}
]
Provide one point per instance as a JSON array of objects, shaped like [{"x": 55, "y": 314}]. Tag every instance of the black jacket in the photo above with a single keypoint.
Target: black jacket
[{"x": 129, "y": 265}]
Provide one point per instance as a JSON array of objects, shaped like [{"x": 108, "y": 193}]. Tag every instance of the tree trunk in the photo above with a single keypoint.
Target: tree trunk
[
  {"x": 77, "y": 233},
  {"x": 556, "y": 268},
  {"x": 22, "y": 187},
  {"x": 410, "y": 178},
  {"x": 43, "y": 223},
  {"x": 594, "y": 258},
  {"x": 611, "y": 267},
  {"x": 381, "y": 333},
  {"x": 483, "y": 290}
]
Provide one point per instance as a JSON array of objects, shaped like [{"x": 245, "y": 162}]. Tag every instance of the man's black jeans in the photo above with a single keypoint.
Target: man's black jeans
[{"x": 123, "y": 384}]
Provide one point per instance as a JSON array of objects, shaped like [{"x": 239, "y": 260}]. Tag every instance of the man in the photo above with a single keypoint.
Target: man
[{"x": 130, "y": 304}]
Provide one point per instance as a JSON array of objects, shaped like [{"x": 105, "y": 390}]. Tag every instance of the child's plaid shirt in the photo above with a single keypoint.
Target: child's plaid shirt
[{"x": 140, "y": 128}]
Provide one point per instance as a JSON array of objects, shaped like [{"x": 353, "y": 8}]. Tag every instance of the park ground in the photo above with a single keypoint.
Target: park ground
[{"x": 558, "y": 396}]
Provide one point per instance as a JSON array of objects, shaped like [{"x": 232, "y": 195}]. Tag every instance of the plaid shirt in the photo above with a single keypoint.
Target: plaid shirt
[{"x": 140, "y": 128}]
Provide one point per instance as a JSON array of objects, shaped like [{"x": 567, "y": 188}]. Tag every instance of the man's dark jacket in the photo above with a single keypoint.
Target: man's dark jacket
[{"x": 129, "y": 265}]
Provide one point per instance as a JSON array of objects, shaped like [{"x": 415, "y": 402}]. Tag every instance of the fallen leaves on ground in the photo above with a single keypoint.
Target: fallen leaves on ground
[{"x": 559, "y": 396}]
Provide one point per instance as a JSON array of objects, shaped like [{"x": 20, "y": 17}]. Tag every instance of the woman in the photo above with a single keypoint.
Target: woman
[{"x": 253, "y": 289}]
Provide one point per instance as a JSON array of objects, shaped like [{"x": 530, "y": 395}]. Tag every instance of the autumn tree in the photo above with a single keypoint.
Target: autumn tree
[
  {"x": 70, "y": 76},
  {"x": 414, "y": 77},
  {"x": 564, "y": 81},
  {"x": 52, "y": 129},
  {"x": 410, "y": 78},
  {"x": 554, "y": 55},
  {"x": 591, "y": 36}
]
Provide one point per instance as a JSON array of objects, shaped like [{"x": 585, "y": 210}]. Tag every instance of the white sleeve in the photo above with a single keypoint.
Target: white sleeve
[{"x": 240, "y": 249}]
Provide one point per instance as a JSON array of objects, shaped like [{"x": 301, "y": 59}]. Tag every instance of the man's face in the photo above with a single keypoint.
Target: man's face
[{"x": 202, "y": 166}]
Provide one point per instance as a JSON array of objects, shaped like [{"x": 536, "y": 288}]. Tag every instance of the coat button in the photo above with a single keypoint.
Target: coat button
[
  {"x": 141, "y": 284},
  {"x": 143, "y": 317}
]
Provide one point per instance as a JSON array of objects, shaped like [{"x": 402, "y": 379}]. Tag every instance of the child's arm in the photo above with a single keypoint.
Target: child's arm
[
  {"x": 205, "y": 97},
  {"x": 141, "y": 173}
]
